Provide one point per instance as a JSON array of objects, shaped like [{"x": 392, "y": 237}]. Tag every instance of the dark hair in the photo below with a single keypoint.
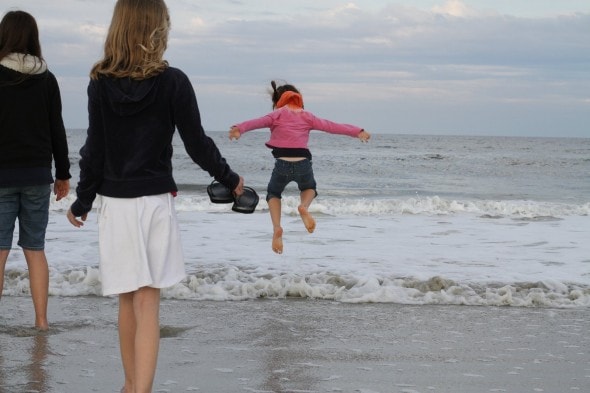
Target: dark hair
[
  {"x": 19, "y": 34},
  {"x": 277, "y": 92}
]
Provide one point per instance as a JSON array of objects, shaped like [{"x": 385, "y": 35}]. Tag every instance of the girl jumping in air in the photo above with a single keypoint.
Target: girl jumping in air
[{"x": 290, "y": 126}]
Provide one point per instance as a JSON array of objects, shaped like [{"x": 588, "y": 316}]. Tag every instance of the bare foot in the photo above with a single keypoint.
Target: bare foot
[
  {"x": 308, "y": 220},
  {"x": 42, "y": 325},
  {"x": 277, "y": 240}
]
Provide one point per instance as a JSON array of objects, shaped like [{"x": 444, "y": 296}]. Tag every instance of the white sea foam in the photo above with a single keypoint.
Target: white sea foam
[
  {"x": 377, "y": 207},
  {"x": 461, "y": 258}
]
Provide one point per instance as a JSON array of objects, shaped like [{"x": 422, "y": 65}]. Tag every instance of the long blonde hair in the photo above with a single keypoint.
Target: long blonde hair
[{"x": 136, "y": 40}]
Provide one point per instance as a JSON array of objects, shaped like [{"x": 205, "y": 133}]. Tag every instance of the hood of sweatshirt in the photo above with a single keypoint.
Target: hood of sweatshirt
[
  {"x": 128, "y": 96},
  {"x": 291, "y": 99},
  {"x": 25, "y": 64}
]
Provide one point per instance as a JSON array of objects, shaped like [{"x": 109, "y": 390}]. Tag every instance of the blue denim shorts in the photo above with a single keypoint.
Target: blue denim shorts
[
  {"x": 30, "y": 204},
  {"x": 284, "y": 172}
]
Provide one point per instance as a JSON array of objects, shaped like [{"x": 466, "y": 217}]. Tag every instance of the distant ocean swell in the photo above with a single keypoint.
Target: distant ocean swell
[{"x": 236, "y": 284}]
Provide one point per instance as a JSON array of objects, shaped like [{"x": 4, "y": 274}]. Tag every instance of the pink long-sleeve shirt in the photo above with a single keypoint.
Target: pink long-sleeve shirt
[{"x": 290, "y": 128}]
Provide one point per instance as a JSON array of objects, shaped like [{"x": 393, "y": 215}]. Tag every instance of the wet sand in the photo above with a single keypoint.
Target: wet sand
[{"x": 296, "y": 345}]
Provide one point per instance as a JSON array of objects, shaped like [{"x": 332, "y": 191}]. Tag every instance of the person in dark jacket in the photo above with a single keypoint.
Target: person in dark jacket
[
  {"x": 32, "y": 137},
  {"x": 135, "y": 103}
]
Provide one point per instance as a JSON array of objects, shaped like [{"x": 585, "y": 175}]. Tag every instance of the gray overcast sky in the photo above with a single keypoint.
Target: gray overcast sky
[{"x": 502, "y": 67}]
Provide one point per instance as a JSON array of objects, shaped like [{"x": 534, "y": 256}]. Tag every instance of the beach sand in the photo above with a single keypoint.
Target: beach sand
[{"x": 301, "y": 345}]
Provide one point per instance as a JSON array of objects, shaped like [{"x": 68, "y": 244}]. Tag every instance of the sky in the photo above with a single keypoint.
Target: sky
[{"x": 440, "y": 67}]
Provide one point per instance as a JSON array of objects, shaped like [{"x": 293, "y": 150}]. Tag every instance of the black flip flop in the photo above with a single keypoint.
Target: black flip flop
[
  {"x": 245, "y": 203},
  {"x": 218, "y": 193}
]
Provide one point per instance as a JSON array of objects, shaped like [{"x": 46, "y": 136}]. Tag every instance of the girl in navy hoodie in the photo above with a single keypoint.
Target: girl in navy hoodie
[
  {"x": 135, "y": 103},
  {"x": 32, "y": 137}
]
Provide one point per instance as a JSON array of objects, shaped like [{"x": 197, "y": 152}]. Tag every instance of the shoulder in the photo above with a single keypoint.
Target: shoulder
[
  {"x": 173, "y": 73},
  {"x": 46, "y": 80},
  {"x": 307, "y": 116},
  {"x": 96, "y": 86},
  {"x": 51, "y": 83},
  {"x": 50, "y": 76},
  {"x": 93, "y": 84},
  {"x": 175, "y": 80}
]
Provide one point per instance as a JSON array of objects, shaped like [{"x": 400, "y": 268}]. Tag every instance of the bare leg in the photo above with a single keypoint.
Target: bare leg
[
  {"x": 3, "y": 258},
  {"x": 127, "y": 338},
  {"x": 307, "y": 196},
  {"x": 147, "y": 340},
  {"x": 139, "y": 335},
  {"x": 39, "y": 281},
  {"x": 274, "y": 206}
]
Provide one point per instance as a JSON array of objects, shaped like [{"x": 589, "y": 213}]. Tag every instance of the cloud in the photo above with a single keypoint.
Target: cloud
[
  {"x": 454, "y": 8},
  {"x": 387, "y": 62}
]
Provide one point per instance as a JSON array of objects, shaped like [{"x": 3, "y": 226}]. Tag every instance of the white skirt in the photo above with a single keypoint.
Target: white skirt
[{"x": 139, "y": 244}]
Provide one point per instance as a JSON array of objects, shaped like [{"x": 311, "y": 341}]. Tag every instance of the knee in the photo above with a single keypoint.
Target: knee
[
  {"x": 270, "y": 197},
  {"x": 146, "y": 297}
]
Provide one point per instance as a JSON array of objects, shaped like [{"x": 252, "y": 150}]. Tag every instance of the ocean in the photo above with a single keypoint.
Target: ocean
[{"x": 409, "y": 219}]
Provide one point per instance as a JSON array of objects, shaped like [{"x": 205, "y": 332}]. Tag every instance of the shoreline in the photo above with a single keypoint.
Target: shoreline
[{"x": 302, "y": 345}]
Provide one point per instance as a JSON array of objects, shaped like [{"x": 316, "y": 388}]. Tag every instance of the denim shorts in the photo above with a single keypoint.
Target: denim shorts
[
  {"x": 30, "y": 204},
  {"x": 284, "y": 172}
]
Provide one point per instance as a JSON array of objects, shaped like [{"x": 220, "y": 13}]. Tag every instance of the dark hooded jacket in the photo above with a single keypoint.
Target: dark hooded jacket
[
  {"x": 128, "y": 149},
  {"x": 32, "y": 133}
]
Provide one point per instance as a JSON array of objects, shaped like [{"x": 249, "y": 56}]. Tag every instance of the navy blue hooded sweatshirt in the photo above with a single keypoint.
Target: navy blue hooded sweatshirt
[
  {"x": 32, "y": 133},
  {"x": 128, "y": 148}
]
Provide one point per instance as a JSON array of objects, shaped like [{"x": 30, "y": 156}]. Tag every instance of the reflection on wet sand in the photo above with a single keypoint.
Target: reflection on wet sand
[
  {"x": 23, "y": 360},
  {"x": 36, "y": 373},
  {"x": 3, "y": 375},
  {"x": 285, "y": 365}
]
